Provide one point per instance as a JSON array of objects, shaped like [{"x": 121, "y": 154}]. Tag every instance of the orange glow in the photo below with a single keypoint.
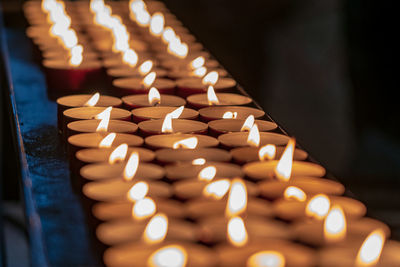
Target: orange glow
[
  {"x": 253, "y": 139},
  {"x": 138, "y": 191},
  {"x": 335, "y": 225},
  {"x": 168, "y": 35},
  {"x": 104, "y": 120},
  {"x": 199, "y": 161},
  {"x": 211, "y": 96},
  {"x": 267, "y": 152},
  {"x": 177, "y": 112},
  {"x": 92, "y": 100},
  {"x": 177, "y": 48},
  {"x": 207, "y": 173},
  {"x": 217, "y": 189},
  {"x": 266, "y": 258},
  {"x": 145, "y": 67},
  {"x": 167, "y": 124},
  {"x": 248, "y": 123},
  {"x": 197, "y": 63},
  {"x": 237, "y": 233},
  {"x": 118, "y": 154},
  {"x": 318, "y": 206},
  {"x": 229, "y": 115},
  {"x": 154, "y": 96},
  {"x": 149, "y": 79},
  {"x": 283, "y": 169},
  {"x": 211, "y": 78},
  {"x": 130, "y": 57},
  {"x": 237, "y": 199},
  {"x": 157, "y": 24},
  {"x": 76, "y": 55},
  {"x": 371, "y": 249},
  {"x": 131, "y": 166},
  {"x": 107, "y": 141},
  {"x": 188, "y": 143},
  {"x": 143, "y": 208},
  {"x": 156, "y": 229},
  {"x": 168, "y": 256},
  {"x": 294, "y": 193},
  {"x": 199, "y": 72}
]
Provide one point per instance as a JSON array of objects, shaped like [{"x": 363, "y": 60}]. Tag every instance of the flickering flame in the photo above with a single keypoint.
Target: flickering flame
[
  {"x": 149, "y": 79},
  {"x": 248, "y": 123},
  {"x": 371, "y": 249},
  {"x": 294, "y": 193},
  {"x": 217, "y": 189},
  {"x": 177, "y": 48},
  {"x": 207, "y": 173},
  {"x": 211, "y": 96},
  {"x": 92, "y": 100},
  {"x": 167, "y": 124},
  {"x": 154, "y": 96},
  {"x": 107, "y": 141},
  {"x": 104, "y": 120},
  {"x": 237, "y": 233},
  {"x": 177, "y": 112},
  {"x": 156, "y": 229},
  {"x": 253, "y": 139},
  {"x": 267, "y": 152},
  {"x": 76, "y": 55},
  {"x": 188, "y": 143},
  {"x": 145, "y": 67},
  {"x": 143, "y": 208},
  {"x": 237, "y": 199},
  {"x": 318, "y": 206},
  {"x": 283, "y": 169},
  {"x": 168, "y": 35},
  {"x": 229, "y": 115},
  {"x": 168, "y": 256},
  {"x": 157, "y": 24},
  {"x": 211, "y": 78},
  {"x": 199, "y": 72},
  {"x": 266, "y": 258},
  {"x": 138, "y": 191},
  {"x": 139, "y": 13},
  {"x": 199, "y": 161},
  {"x": 335, "y": 225},
  {"x": 130, "y": 57},
  {"x": 131, "y": 166},
  {"x": 118, "y": 154},
  {"x": 197, "y": 62}
]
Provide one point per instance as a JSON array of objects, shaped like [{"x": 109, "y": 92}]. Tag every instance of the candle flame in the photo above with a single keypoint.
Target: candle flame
[
  {"x": 76, "y": 55},
  {"x": 371, "y": 249},
  {"x": 283, "y": 169},
  {"x": 188, "y": 143},
  {"x": 294, "y": 193},
  {"x": 156, "y": 229},
  {"x": 138, "y": 191},
  {"x": 149, "y": 79},
  {"x": 335, "y": 225},
  {"x": 177, "y": 48},
  {"x": 143, "y": 208},
  {"x": 267, "y": 152},
  {"x": 130, "y": 57},
  {"x": 92, "y": 100},
  {"x": 107, "y": 141},
  {"x": 168, "y": 256},
  {"x": 266, "y": 258},
  {"x": 168, "y": 35},
  {"x": 154, "y": 96},
  {"x": 139, "y": 13},
  {"x": 131, "y": 166},
  {"x": 248, "y": 123},
  {"x": 318, "y": 206},
  {"x": 118, "y": 154},
  {"x": 207, "y": 173},
  {"x": 199, "y": 72},
  {"x": 177, "y": 112},
  {"x": 145, "y": 67},
  {"x": 211, "y": 78},
  {"x": 104, "y": 120},
  {"x": 237, "y": 199},
  {"x": 211, "y": 96},
  {"x": 229, "y": 115},
  {"x": 199, "y": 161},
  {"x": 167, "y": 124},
  {"x": 217, "y": 189},
  {"x": 237, "y": 233},
  {"x": 253, "y": 139},
  {"x": 157, "y": 24},
  {"x": 197, "y": 62}
]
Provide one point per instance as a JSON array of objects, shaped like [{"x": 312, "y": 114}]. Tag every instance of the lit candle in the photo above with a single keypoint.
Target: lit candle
[
  {"x": 216, "y": 113},
  {"x": 169, "y": 125},
  {"x": 169, "y": 155},
  {"x": 153, "y": 98},
  {"x": 178, "y": 140},
  {"x": 149, "y": 113},
  {"x": 128, "y": 86},
  {"x": 222, "y": 126}
]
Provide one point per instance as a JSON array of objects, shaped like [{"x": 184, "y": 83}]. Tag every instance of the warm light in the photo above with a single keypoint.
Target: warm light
[
  {"x": 211, "y": 96},
  {"x": 177, "y": 48},
  {"x": 76, "y": 55},
  {"x": 199, "y": 161},
  {"x": 207, "y": 173},
  {"x": 335, "y": 225},
  {"x": 138, "y": 191},
  {"x": 145, "y": 67},
  {"x": 157, "y": 24},
  {"x": 168, "y": 35},
  {"x": 167, "y": 124},
  {"x": 371, "y": 249},
  {"x": 131, "y": 166},
  {"x": 92, "y": 100},
  {"x": 318, "y": 206},
  {"x": 177, "y": 112},
  {"x": 217, "y": 189},
  {"x": 107, "y": 141},
  {"x": 168, "y": 256},
  {"x": 237, "y": 199},
  {"x": 104, "y": 120},
  {"x": 156, "y": 229},
  {"x": 248, "y": 123},
  {"x": 197, "y": 62},
  {"x": 267, "y": 152},
  {"x": 199, "y": 72},
  {"x": 229, "y": 115},
  {"x": 211, "y": 78},
  {"x": 143, "y": 208},
  {"x": 154, "y": 96},
  {"x": 118, "y": 154},
  {"x": 253, "y": 139},
  {"x": 237, "y": 233},
  {"x": 149, "y": 79},
  {"x": 267, "y": 258},
  {"x": 130, "y": 57},
  {"x": 189, "y": 143},
  {"x": 283, "y": 169},
  {"x": 294, "y": 193}
]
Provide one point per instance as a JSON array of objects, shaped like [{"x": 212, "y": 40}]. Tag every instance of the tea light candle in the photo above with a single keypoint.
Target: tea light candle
[
  {"x": 90, "y": 126},
  {"x": 142, "y": 100},
  {"x": 128, "y": 86},
  {"x": 93, "y": 140},
  {"x": 223, "y": 99},
  {"x": 96, "y": 155},
  {"x": 183, "y": 73},
  {"x": 247, "y": 154},
  {"x": 126, "y": 71},
  {"x": 152, "y": 127},
  {"x": 169, "y": 155},
  {"x": 148, "y": 113},
  {"x": 216, "y": 113},
  {"x": 168, "y": 140},
  {"x": 222, "y": 126},
  {"x": 239, "y": 139},
  {"x": 190, "y": 86}
]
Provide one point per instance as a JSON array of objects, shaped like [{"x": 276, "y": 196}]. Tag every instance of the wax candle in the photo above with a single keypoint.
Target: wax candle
[
  {"x": 125, "y": 72},
  {"x": 142, "y": 100},
  {"x": 219, "y": 99},
  {"x": 182, "y": 73},
  {"x": 222, "y": 126},
  {"x": 181, "y": 141},
  {"x": 152, "y": 127},
  {"x": 229, "y": 112},
  {"x": 90, "y": 126},
  {"x": 247, "y": 154},
  {"x": 96, "y": 155},
  {"x": 190, "y": 86},
  {"x": 128, "y": 86},
  {"x": 240, "y": 139},
  {"x": 169, "y": 155},
  {"x": 148, "y": 113}
]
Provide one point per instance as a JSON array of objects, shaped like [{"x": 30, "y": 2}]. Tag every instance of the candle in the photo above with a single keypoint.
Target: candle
[
  {"x": 148, "y": 113},
  {"x": 247, "y": 154},
  {"x": 169, "y": 155},
  {"x": 126, "y": 71},
  {"x": 190, "y": 86},
  {"x": 182, "y": 73},
  {"x": 90, "y": 126},
  {"x": 222, "y": 126},
  {"x": 240, "y": 139},
  {"x": 229, "y": 112},
  {"x": 220, "y": 99},
  {"x": 128, "y": 86},
  {"x": 152, "y": 127},
  {"x": 181, "y": 141},
  {"x": 142, "y": 100},
  {"x": 96, "y": 155}
]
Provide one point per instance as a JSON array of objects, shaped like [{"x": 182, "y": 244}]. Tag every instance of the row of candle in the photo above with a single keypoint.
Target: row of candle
[{"x": 132, "y": 197}]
